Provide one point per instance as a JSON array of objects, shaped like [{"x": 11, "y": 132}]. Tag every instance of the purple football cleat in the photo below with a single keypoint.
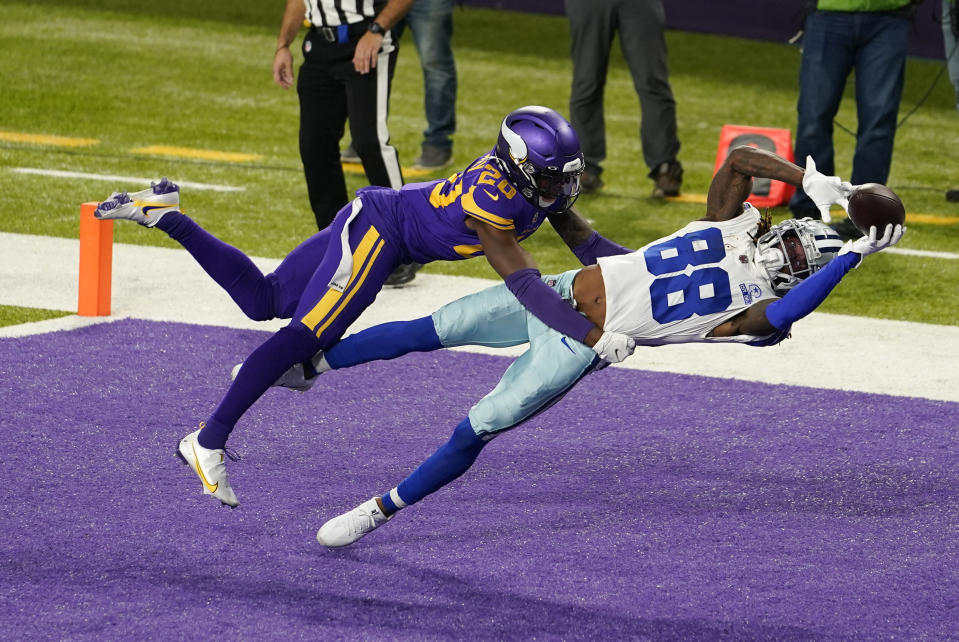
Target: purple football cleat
[{"x": 145, "y": 207}]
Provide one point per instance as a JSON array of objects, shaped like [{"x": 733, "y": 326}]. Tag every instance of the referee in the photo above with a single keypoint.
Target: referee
[{"x": 349, "y": 55}]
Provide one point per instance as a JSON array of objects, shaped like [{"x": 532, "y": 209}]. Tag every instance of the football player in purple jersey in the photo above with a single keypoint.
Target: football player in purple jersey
[
  {"x": 324, "y": 284},
  {"x": 728, "y": 277}
]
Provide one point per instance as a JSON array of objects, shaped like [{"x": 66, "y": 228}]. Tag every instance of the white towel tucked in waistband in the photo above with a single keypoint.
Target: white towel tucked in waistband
[{"x": 343, "y": 271}]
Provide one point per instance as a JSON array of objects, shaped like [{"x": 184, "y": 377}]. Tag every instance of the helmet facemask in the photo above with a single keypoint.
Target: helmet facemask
[
  {"x": 553, "y": 186},
  {"x": 795, "y": 249}
]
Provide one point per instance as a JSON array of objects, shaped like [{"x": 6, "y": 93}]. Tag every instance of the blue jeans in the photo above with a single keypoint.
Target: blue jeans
[
  {"x": 431, "y": 22},
  {"x": 834, "y": 43}
]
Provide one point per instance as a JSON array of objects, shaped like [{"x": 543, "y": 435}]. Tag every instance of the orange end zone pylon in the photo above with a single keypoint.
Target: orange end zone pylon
[
  {"x": 766, "y": 192},
  {"x": 96, "y": 263}
]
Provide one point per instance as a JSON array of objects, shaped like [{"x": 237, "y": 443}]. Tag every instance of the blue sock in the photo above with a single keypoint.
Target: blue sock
[
  {"x": 229, "y": 267},
  {"x": 384, "y": 341},
  {"x": 451, "y": 460}
]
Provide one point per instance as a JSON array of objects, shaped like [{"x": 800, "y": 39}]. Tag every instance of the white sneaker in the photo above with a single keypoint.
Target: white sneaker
[
  {"x": 294, "y": 378},
  {"x": 352, "y": 525},
  {"x": 145, "y": 207},
  {"x": 209, "y": 466}
]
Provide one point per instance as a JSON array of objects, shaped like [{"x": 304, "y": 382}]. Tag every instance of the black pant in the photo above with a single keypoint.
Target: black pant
[
  {"x": 640, "y": 23},
  {"x": 331, "y": 91}
]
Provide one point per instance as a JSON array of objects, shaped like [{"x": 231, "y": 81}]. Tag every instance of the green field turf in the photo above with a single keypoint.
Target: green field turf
[
  {"x": 197, "y": 75},
  {"x": 13, "y": 315}
]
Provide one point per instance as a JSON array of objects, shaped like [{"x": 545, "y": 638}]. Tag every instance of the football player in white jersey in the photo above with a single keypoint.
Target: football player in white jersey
[{"x": 726, "y": 277}]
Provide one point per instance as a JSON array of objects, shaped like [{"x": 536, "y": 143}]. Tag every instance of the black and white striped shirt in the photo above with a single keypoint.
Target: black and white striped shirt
[{"x": 331, "y": 13}]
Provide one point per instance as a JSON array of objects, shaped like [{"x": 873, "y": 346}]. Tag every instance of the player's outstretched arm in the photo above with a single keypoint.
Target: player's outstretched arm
[
  {"x": 768, "y": 317},
  {"x": 811, "y": 292},
  {"x": 571, "y": 226},
  {"x": 734, "y": 181},
  {"x": 522, "y": 277},
  {"x": 777, "y": 315},
  {"x": 586, "y": 243}
]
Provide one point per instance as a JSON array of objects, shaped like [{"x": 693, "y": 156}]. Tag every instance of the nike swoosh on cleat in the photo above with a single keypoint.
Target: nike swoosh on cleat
[
  {"x": 146, "y": 208},
  {"x": 210, "y": 487}
]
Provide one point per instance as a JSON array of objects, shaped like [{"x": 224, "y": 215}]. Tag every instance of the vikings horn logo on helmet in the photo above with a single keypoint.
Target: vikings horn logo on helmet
[{"x": 540, "y": 154}]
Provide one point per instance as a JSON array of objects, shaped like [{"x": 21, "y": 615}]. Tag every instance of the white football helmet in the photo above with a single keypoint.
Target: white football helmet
[{"x": 794, "y": 249}]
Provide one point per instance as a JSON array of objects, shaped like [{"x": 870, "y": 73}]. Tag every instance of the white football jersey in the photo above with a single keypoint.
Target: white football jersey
[{"x": 680, "y": 287}]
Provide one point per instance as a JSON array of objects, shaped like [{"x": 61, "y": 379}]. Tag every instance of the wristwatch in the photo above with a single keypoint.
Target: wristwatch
[{"x": 374, "y": 27}]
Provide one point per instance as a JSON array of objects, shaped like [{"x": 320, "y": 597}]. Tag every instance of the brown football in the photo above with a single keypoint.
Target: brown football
[{"x": 875, "y": 204}]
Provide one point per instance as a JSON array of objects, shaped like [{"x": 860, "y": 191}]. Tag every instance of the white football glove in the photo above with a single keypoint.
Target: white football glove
[
  {"x": 614, "y": 347},
  {"x": 825, "y": 190},
  {"x": 867, "y": 245}
]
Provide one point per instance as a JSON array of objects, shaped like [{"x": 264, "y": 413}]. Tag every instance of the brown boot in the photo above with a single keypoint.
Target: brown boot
[{"x": 667, "y": 179}]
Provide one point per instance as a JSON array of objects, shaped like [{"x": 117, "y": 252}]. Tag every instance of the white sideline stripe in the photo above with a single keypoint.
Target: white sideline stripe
[
  {"x": 52, "y": 325},
  {"x": 923, "y": 253},
  {"x": 828, "y": 351},
  {"x": 123, "y": 179}
]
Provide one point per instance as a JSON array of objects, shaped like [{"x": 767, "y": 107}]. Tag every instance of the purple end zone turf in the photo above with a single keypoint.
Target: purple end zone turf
[{"x": 644, "y": 505}]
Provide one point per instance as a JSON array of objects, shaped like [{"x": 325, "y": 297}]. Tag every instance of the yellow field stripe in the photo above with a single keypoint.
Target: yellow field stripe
[
  {"x": 332, "y": 297},
  {"x": 688, "y": 198},
  {"x": 356, "y": 168},
  {"x": 933, "y": 219},
  {"x": 45, "y": 139},
  {"x": 189, "y": 152}
]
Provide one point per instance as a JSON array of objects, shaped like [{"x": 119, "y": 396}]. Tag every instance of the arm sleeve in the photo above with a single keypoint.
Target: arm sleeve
[
  {"x": 546, "y": 304},
  {"x": 806, "y": 297},
  {"x": 597, "y": 246}
]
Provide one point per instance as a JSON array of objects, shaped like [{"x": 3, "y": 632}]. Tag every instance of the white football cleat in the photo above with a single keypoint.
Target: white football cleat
[
  {"x": 145, "y": 207},
  {"x": 352, "y": 525},
  {"x": 294, "y": 378},
  {"x": 209, "y": 466}
]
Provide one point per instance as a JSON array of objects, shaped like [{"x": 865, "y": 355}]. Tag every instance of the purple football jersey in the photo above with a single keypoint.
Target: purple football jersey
[{"x": 428, "y": 219}]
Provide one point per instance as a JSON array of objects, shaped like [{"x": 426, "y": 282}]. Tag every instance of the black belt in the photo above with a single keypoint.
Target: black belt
[{"x": 341, "y": 33}]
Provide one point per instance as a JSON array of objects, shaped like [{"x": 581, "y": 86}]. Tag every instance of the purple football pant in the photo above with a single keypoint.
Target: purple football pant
[{"x": 299, "y": 289}]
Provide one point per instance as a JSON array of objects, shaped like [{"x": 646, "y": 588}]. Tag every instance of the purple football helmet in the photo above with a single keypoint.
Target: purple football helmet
[{"x": 539, "y": 152}]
